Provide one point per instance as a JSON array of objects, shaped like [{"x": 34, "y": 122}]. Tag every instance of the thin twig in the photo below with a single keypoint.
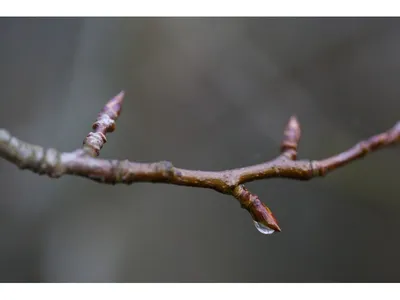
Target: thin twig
[
  {"x": 82, "y": 162},
  {"x": 105, "y": 122}
]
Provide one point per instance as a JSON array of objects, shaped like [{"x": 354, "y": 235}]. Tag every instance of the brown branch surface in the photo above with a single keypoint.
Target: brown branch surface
[{"x": 83, "y": 162}]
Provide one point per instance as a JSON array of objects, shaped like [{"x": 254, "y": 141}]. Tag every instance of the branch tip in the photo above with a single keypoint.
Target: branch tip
[
  {"x": 114, "y": 106},
  {"x": 260, "y": 213},
  {"x": 396, "y": 130},
  {"x": 105, "y": 123},
  {"x": 291, "y": 138}
]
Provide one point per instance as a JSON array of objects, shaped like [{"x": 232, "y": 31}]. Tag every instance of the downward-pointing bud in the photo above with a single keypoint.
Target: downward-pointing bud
[{"x": 263, "y": 219}]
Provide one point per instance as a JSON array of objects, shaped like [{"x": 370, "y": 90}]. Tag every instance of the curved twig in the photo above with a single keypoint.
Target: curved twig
[{"x": 82, "y": 162}]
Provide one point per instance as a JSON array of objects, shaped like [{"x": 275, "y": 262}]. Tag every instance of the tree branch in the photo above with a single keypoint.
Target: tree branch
[{"x": 83, "y": 162}]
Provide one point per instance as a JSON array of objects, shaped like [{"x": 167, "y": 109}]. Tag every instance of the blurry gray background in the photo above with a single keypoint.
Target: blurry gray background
[{"x": 207, "y": 94}]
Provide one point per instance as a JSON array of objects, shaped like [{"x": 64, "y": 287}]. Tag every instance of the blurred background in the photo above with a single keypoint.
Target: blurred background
[{"x": 210, "y": 94}]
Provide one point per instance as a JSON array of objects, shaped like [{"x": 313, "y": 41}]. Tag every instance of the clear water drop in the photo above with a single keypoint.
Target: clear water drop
[{"x": 262, "y": 228}]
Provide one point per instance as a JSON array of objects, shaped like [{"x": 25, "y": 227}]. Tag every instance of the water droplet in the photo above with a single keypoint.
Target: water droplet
[{"x": 262, "y": 228}]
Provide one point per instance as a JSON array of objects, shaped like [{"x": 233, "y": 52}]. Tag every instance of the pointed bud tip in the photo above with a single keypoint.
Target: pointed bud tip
[
  {"x": 269, "y": 219},
  {"x": 274, "y": 225},
  {"x": 114, "y": 105},
  {"x": 293, "y": 122},
  {"x": 120, "y": 97}
]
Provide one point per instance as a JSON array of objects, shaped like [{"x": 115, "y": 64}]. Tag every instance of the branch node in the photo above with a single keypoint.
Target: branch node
[
  {"x": 51, "y": 163},
  {"x": 317, "y": 169},
  {"x": 123, "y": 172},
  {"x": 105, "y": 121},
  {"x": 166, "y": 168},
  {"x": 365, "y": 148},
  {"x": 230, "y": 180}
]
